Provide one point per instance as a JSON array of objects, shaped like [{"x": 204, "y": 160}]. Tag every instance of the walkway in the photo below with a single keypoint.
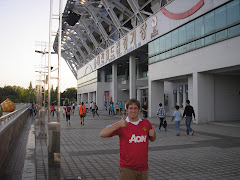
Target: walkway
[{"x": 212, "y": 153}]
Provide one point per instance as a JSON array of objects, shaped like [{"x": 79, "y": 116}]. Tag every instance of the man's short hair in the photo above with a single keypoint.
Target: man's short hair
[
  {"x": 133, "y": 101},
  {"x": 187, "y": 101},
  {"x": 160, "y": 104},
  {"x": 177, "y": 107}
]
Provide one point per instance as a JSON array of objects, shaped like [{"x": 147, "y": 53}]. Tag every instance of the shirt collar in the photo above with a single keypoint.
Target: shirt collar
[{"x": 127, "y": 119}]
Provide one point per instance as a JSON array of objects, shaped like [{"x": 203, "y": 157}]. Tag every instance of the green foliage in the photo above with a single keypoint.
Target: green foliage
[
  {"x": 17, "y": 94},
  {"x": 69, "y": 95}
]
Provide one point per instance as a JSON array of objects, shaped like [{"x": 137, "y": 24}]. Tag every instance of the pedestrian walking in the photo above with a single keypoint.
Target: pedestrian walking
[
  {"x": 30, "y": 107},
  {"x": 134, "y": 134},
  {"x": 109, "y": 108},
  {"x": 117, "y": 107},
  {"x": 82, "y": 113},
  {"x": 93, "y": 109},
  {"x": 73, "y": 107},
  {"x": 120, "y": 105},
  {"x": 145, "y": 109},
  {"x": 68, "y": 110},
  {"x": 189, "y": 112},
  {"x": 112, "y": 108},
  {"x": 162, "y": 117},
  {"x": 177, "y": 116},
  {"x": 52, "y": 108}
]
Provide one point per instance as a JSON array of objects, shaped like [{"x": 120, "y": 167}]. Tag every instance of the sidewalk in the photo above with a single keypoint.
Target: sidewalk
[{"x": 212, "y": 153}]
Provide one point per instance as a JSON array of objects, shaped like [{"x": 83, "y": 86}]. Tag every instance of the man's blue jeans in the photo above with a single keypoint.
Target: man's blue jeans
[{"x": 188, "y": 123}]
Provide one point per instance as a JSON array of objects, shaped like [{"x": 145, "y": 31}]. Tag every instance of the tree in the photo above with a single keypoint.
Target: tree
[{"x": 70, "y": 94}]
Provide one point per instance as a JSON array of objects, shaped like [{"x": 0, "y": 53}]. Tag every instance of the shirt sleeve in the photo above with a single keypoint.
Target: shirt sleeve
[{"x": 193, "y": 112}]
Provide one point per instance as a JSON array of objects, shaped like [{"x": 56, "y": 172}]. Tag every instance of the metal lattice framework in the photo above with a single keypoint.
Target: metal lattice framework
[{"x": 90, "y": 26}]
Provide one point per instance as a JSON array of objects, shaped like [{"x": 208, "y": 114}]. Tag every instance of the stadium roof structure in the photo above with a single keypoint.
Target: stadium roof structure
[{"x": 91, "y": 26}]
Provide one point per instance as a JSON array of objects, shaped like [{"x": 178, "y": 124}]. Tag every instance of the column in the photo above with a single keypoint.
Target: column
[
  {"x": 132, "y": 77},
  {"x": 139, "y": 95},
  {"x": 94, "y": 96},
  {"x": 203, "y": 97},
  {"x": 102, "y": 75},
  {"x": 156, "y": 95},
  {"x": 114, "y": 83}
]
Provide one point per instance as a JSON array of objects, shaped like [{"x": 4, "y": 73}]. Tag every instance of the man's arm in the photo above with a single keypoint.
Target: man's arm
[{"x": 107, "y": 131}]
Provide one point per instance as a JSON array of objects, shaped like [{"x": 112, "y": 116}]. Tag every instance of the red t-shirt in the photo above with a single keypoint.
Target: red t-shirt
[{"x": 134, "y": 145}]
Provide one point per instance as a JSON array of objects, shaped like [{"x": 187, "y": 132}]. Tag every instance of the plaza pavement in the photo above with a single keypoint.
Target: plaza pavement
[{"x": 212, "y": 153}]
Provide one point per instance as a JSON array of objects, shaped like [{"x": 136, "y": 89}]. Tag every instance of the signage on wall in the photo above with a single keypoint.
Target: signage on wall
[
  {"x": 181, "y": 89},
  {"x": 186, "y": 88},
  {"x": 175, "y": 90},
  {"x": 154, "y": 26},
  {"x": 140, "y": 35}
]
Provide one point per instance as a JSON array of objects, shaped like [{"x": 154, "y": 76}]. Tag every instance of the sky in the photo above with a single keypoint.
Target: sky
[{"x": 24, "y": 25}]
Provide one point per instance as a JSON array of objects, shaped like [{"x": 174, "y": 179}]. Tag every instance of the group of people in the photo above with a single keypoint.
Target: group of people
[
  {"x": 177, "y": 116},
  {"x": 117, "y": 109},
  {"x": 34, "y": 108},
  {"x": 135, "y": 133},
  {"x": 83, "y": 109}
]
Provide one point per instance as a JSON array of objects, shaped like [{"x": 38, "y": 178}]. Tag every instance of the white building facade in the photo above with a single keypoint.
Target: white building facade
[{"x": 186, "y": 50}]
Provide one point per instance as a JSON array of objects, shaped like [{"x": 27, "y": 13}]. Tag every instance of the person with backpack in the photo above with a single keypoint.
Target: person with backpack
[
  {"x": 162, "y": 115},
  {"x": 82, "y": 112},
  {"x": 68, "y": 111}
]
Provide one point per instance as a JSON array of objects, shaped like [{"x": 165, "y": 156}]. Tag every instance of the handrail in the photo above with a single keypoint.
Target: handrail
[{"x": 10, "y": 115}]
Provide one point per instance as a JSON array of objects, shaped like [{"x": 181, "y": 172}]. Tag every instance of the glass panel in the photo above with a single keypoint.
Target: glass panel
[
  {"x": 168, "y": 41},
  {"x": 233, "y": 12},
  {"x": 168, "y": 54},
  {"x": 158, "y": 58},
  {"x": 220, "y": 18},
  {"x": 234, "y": 31},
  {"x": 190, "y": 31},
  {"x": 199, "y": 28},
  {"x": 151, "y": 60},
  {"x": 162, "y": 44},
  {"x": 175, "y": 52},
  {"x": 182, "y": 35},
  {"x": 156, "y": 47},
  {"x": 175, "y": 38},
  {"x": 209, "y": 23},
  {"x": 182, "y": 49},
  {"x": 210, "y": 39},
  {"x": 191, "y": 46},
  {"x": 221, "y": 35},
  {"x": 162, "y": 56},
  {"x": 199, "y": 43},
  {"x": 150, "y": 49}
]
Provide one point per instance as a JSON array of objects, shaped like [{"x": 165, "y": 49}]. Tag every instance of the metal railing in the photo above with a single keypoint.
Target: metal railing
[{"x": 7, "y": 117}]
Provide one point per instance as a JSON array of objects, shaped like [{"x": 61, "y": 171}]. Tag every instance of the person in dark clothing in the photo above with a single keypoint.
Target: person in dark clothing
[
  {"x": 145, "y": 109},
  {"x": 189, "y": 111}
]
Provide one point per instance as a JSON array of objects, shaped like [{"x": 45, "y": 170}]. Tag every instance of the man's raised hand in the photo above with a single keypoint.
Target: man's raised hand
[
  {"x": 123, "y": 122},
  {"x": 152, "y": 132}
]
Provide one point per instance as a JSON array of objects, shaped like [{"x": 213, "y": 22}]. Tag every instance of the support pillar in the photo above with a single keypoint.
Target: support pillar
[
  {"x": 156, "y": 95},
  {"x": 132, "y": 77},
  {"x": 114, "y": 83}
]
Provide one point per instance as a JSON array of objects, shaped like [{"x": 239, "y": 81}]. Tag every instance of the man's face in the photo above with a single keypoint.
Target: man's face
[
  {"x": 133, "y": 111},
  {"x": 145, "y": 103}
]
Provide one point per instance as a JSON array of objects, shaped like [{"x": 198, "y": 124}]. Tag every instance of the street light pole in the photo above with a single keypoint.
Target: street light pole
[
  {"x": 49, "y": 58},
  {"x": 59, "y": 56}
]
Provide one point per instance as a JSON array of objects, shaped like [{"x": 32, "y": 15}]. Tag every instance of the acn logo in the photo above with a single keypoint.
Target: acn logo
[{"x": 184, "y": 14}]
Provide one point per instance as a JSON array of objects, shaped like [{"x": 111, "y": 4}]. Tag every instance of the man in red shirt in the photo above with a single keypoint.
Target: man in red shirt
[{"x": 134, "y": 134}]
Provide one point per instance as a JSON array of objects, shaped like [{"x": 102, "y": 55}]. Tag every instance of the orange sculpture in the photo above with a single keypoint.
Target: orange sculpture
[{"x": 8, "y": 106}]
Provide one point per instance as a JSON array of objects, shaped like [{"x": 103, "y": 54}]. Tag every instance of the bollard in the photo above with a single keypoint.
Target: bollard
[{"x": 42, "y": 134}]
